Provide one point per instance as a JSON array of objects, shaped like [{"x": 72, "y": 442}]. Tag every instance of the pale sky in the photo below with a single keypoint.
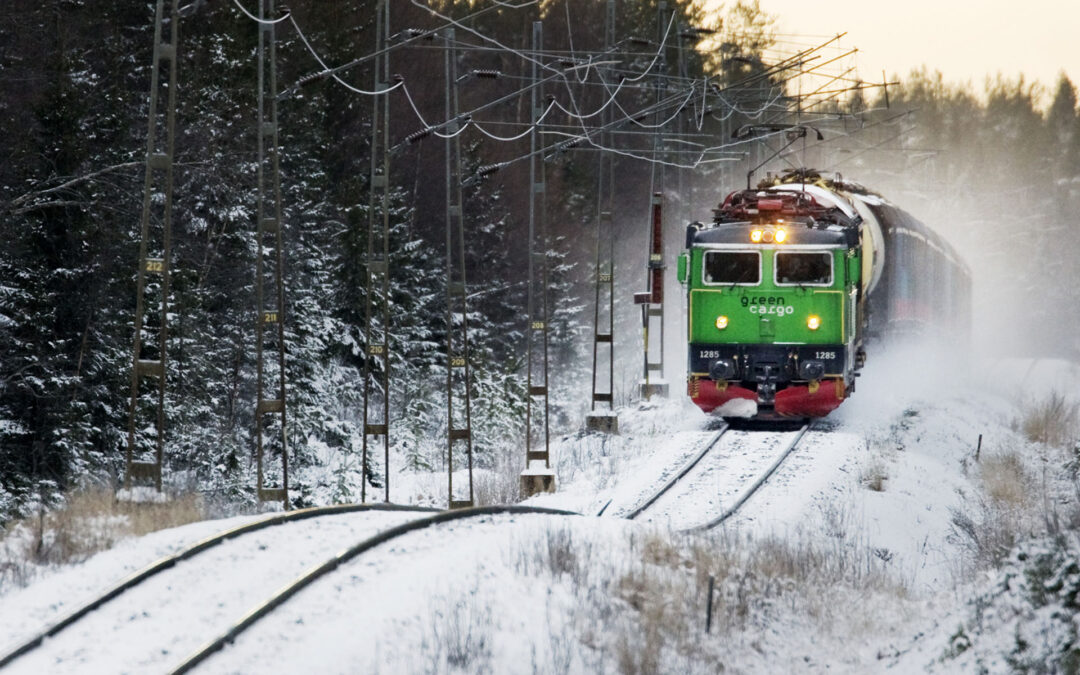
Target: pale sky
[{"x": 966, "y": 40}]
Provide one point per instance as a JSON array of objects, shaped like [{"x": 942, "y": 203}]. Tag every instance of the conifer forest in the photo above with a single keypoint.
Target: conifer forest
[{"x": 994, "y": 167}]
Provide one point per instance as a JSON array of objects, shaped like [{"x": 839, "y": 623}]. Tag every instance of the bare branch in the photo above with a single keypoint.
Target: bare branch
[
  {"x": 49, "y": 205},
  {"x": 22, "y": 199}
]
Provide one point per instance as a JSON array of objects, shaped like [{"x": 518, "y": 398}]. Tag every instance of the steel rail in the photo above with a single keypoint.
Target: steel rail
[
  {"x": 332, "y": 564},
  {"x": 678, "y": 476},
  {"x": 734, "y": 508},
  {"x": 168, "y": 562}
]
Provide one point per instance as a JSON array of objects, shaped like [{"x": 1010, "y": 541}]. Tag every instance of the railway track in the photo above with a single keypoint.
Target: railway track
[
  {"x": 270, "y": 604},
  {"x": 680, "y": 474},
  {"x": 156, "y": 569},
  {"x": 680, "y": 478},
  {"x": 428, "y": 518}
]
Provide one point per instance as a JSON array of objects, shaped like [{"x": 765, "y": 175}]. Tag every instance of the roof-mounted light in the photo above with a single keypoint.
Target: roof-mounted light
[{"x": 768, "y": 235}]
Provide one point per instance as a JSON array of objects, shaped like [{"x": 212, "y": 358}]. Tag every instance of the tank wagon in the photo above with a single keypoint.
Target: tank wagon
[{"x": 793, "y": 280}]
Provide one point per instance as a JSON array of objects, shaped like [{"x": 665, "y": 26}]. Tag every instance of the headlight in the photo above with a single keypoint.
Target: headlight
[
  {"x": 721, "y": 322},
  {"x": 755, "y": 236},
  {"x": 781, "y": 236},
  {"x": 722, "y": 369},
  {"x": 813, "y": 322},
  {"x": 811, "y": 370}
]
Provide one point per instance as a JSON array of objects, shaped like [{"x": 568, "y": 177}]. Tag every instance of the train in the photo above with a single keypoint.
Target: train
[{"x": 792, "y": 282}]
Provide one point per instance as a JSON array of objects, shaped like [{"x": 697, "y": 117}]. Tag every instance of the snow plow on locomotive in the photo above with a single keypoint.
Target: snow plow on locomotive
[{"x": 790, "y": 283}]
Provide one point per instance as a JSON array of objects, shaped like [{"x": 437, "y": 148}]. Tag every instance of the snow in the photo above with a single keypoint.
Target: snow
[
  {"x": 537, "y": 471},
  {"x": 218, "y": 586},
  {"x": 377, "y": 610},
  {"x": 141, "y": 495},
  {"x": 848, "y": 559},
  {"x": 823, "y": 196},
  {"x": 737, "y": 407}
]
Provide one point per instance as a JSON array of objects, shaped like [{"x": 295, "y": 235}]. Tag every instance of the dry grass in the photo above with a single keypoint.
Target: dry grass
[
  {"x": 501, "y": 485},
  {"x": 874, "y": 475},
  {"x": 459, "y": 638},
  {"x": 1005, "y": 511},
  {"x": 1005, "y": 480},
  {"x": 1054, "y": 421},
  {"x": 641, "y": 606},
  {"x": 658, "y": 549},
  {"x": 989, "y": 534},
  {"x": 640, "y": 652},
  {"x": 88, "y": 522},
  {"x": 669, "y": 594}
]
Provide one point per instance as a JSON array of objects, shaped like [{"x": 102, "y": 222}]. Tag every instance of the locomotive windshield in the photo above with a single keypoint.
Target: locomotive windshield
[
  {"x": 807, "y": 269},
  {"x": 732, "y": 267}
]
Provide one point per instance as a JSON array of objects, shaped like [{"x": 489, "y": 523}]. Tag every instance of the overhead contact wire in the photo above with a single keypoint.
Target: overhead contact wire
[
  {"x": 331, "y": 71},
  {"x": 266, "y": 22}
]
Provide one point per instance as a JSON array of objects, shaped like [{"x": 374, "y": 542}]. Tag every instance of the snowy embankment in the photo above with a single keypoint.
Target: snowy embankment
[
  {"x": 871, "y": 549},
  {"x": 154, "y": 625}
]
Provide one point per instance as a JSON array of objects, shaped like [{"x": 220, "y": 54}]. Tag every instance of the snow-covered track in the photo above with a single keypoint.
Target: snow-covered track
[
  {"x": 756, "y": 485},
  {"x": 678, "y": 475},
  {"x": 348, "y": 554},
  {"x": 169, "y": 562}
]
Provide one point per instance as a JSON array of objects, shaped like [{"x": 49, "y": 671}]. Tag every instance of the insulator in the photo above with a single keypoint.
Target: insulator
[
  {"x": 418, "y": 135},
  {"x": 398, "y": 78},
  {"x": 640, "y": 41},
  {"x": 488, "y": 74},
  {"x": 488, "y": 169},
  {"x": 307, "y": 79}
]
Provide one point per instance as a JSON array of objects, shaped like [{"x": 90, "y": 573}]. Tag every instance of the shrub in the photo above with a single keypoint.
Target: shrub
[
  {"x": 873, "y": 477},
  {"x": 89, "y": 521},
  {"x": 1054, "y": 421}
]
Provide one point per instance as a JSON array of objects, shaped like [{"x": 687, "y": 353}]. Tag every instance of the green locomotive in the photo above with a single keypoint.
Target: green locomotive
[{"x": 787, "y": 284}]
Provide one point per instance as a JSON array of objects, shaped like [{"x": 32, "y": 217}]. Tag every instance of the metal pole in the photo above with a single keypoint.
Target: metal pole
[
  {"x": 159, "y": 175},
  {"x": 653, "y": 309},
  {"x": 377, "y": 343},
  {"x": 269, "y": 224},
  {"x": 604, "y": 323},
  {"x": 385, "y": 151},
  {"x": 708, "y": 607},
  {"x": 457, "y": 318},
  {"x": 537, "y": 355}
]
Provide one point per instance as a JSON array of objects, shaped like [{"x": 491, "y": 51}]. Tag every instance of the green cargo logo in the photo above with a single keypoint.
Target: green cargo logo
[{"x": 767, "y": 304}]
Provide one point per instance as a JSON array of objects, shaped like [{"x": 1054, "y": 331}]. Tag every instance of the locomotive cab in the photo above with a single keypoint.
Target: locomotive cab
[
  {"x": 773, "y": 307},
  {"x": 791, "y": 279}
]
